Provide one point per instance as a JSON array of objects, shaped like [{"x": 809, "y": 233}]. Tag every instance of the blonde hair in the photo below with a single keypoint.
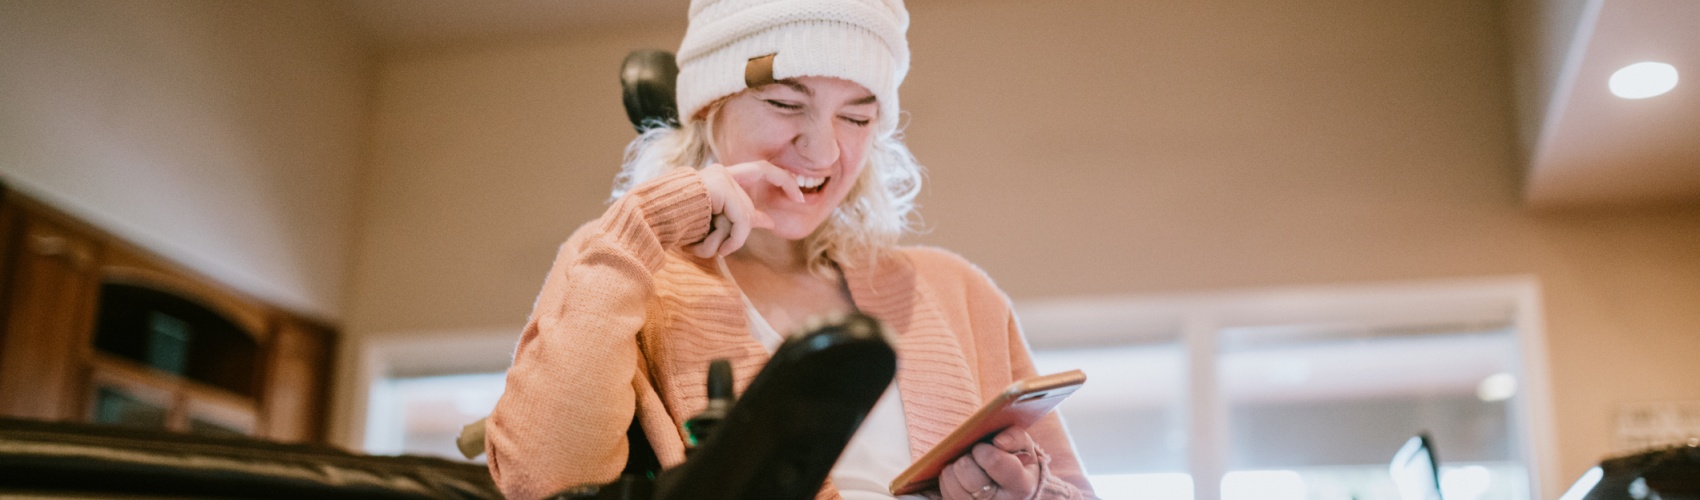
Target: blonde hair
[{"x": 878, "y": 210}]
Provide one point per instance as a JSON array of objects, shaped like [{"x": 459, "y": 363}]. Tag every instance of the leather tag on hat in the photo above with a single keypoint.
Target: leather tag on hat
[{"x": 759, "y": 71}]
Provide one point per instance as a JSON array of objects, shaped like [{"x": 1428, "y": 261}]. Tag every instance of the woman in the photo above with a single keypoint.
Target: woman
[{"x": 795, "y": 192}]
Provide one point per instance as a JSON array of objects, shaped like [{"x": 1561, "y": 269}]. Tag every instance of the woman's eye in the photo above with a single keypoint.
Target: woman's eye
[
  {"x": 856, "y": 121},
  {"x": 784, "y": 105}
]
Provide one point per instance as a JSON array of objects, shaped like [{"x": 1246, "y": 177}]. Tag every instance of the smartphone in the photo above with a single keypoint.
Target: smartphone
[{"x": 1021, "y": 405}]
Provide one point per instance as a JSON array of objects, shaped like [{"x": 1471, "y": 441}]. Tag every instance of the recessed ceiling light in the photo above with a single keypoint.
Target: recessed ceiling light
[
  {"x": 1497, "y": 387},
  {"x": 1643, "y": 79}
]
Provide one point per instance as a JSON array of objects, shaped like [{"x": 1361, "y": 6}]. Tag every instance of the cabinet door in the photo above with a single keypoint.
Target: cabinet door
[
  {"x": 297, "y": 383},
  {"x": 50, "y": 301}
]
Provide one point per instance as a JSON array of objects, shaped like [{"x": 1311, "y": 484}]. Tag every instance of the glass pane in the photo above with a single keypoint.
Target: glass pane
[
  {"x": 1128, "y": 421},
  {"x": 432, "y": 410},
  {"x": 1147, "y": 486},
  {"x": 1321, "y": 416},
  {"x": 113, "y": 406},
  {"x": 168, "y": 342}
]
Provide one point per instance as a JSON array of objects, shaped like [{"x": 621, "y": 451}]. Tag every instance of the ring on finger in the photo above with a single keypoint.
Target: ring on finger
[{"x": 985, "y": 492}]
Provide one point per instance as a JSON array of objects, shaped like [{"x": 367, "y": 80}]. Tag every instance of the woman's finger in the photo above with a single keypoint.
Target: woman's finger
[
  {"x": 716, "y": 180},
  {"x": 955, "y": 483},
  {"x": 974, "y": 479},
  {"x": 751, "y": 175},
  {"x": 710, "y": 243},
  {"x": 949, "y": 487},
  {"x": 1017, "y": 442},
  {"x": 741, "y": 217},
  {"x": 786, "y": 182},
  {"x": 744, "y": 216},
  {"x": 719, "y": 229},
  {"x": 1003, "y": 468},
  {"x": 735, "y": 215}
]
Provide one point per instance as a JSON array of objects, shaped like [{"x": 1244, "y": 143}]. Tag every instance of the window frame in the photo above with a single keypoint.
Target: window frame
[{"x": 1197, "y": 319}]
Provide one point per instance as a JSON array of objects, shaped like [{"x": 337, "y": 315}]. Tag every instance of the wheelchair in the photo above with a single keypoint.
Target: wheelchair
[{"x": 781, "y": 438}]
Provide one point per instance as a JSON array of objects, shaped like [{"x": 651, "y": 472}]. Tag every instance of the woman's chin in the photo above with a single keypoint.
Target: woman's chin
[{"x": 793, "y": 230}]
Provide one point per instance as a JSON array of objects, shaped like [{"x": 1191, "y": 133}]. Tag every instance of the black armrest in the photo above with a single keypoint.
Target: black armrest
[{"x": 105, "y": 461}]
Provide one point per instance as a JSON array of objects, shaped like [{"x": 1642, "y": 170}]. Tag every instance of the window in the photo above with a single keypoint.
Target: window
[
  {"x": 421, "y": 388},
  {"x": 424, "y": 415},
  {"x": 1330, "y": 409},
  {"x": 1132, "y": 408},
  {"x": 1301, "y": 393}
]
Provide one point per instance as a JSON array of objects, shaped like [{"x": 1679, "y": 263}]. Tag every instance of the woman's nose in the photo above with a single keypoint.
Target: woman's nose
[{"x": 817, "y": 143}]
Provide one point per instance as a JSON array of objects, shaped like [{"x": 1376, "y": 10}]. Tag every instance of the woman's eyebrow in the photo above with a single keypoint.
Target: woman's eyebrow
[
  {"x": 805, "y": 90},
  {"x": 796, "y": 86}
]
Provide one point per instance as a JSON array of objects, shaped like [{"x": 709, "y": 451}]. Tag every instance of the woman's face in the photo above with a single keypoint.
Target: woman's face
[{"x": 816, "y": 128}]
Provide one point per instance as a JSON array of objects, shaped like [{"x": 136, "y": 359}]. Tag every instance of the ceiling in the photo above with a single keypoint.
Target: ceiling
[
  {"x": 1596, "y": 149},
  {"x": 1583, "y": 147}
]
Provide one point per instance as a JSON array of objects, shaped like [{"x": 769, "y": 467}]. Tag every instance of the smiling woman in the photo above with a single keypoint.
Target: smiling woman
[
  {"x": 857, "y": 215},
  {"x": 780, "y": 199}
]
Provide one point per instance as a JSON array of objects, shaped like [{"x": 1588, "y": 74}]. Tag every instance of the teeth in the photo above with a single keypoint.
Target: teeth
[{"x": 810, "y": 182}]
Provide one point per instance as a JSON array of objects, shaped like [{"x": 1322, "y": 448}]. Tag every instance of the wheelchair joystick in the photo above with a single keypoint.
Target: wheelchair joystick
[{"x": 720, "y": 400}]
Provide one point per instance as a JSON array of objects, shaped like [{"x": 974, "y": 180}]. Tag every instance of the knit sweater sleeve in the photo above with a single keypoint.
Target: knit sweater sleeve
[{"x": 570, "y": 394}]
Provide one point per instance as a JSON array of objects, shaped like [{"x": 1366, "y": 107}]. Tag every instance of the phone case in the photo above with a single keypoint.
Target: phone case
[{"x": 1022, "y": 404}]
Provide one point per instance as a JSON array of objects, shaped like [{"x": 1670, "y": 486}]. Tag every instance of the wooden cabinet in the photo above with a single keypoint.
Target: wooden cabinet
[
  {"x": 94, "y": 329},
  {"x": 50, "y": 292}
]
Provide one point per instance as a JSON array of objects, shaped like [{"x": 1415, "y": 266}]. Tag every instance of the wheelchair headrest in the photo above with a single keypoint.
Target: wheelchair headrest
[{"x": 647, "y": 80}]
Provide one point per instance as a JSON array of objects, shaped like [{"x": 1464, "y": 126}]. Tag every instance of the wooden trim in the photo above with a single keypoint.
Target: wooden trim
[
  {"x": 243, "y": 419},
  {"x": 182, "y": 398},
  {"x": 253, "y": 319},
  {"x": 147, "y": 390},
  {"x": 297, "y": 364},
  {"x": 103, "y": 363},
  {"x": 45, "y": 212}
]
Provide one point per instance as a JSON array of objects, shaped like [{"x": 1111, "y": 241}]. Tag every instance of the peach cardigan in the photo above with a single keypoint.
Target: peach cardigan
[{"x": 627, "y": 324}]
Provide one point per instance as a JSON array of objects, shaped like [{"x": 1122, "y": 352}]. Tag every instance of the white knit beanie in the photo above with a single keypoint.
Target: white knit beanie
[{"x": 858, "y": 40}]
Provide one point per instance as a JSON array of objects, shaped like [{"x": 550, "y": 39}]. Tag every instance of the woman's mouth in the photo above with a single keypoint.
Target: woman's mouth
[{"x": 811, "y": 185}]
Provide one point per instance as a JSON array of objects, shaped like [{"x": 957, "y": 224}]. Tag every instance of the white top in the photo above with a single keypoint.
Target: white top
[{"x": 880, "y": 449}]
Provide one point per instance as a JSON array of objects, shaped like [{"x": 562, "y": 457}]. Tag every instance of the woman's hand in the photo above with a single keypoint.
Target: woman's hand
[
  {"x": 1007, "y": 469},
  {"x": 734, "y": 214}
]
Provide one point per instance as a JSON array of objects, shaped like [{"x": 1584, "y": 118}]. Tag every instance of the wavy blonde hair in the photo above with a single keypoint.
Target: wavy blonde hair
[{"x": 878, "y": 210}]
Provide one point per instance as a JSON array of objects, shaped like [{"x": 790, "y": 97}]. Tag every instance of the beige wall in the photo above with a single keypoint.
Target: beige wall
[
  {"x": 483, "y": 159},
  {"x": 1089, "y": 147},
  {"x": 223, "y": 135}
]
